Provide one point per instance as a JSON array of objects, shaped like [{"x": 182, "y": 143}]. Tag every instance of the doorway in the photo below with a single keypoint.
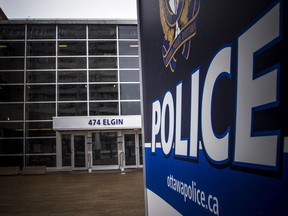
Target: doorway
[
  {"x": 133, "y": 150},
  {"x": 78, "y": 147}
]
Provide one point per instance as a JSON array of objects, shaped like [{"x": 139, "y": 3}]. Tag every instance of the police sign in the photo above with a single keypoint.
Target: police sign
[{"x": 215, "y": 106}]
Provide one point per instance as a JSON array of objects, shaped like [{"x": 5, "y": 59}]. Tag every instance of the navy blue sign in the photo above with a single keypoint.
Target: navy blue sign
[{"x": 215, "y": 106}]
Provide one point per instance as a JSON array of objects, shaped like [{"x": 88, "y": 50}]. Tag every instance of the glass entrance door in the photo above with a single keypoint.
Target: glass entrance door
[
  {"x": 133, "y": 150},
  {"x": 79, "y": 151},
  {"x": 130, "y": 150}
]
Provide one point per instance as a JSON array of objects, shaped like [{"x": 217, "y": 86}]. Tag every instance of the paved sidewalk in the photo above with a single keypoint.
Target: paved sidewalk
[{"x": 73, "y": 193}]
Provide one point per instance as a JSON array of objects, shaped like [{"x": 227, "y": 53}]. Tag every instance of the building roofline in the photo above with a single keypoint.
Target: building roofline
[
  {"x": 69, "y": 21},
  {"x": 3, "y": 15}
]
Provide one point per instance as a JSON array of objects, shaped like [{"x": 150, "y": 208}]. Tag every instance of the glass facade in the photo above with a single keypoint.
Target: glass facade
[{"x": 60, "y": 70}]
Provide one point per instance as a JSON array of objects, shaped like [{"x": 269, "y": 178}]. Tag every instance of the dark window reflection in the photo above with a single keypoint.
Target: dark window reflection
[
  {"x": 40, "y": 93},
  {"x": 104, "y": 92},
  {"x": 128, "y": 48},
  {"x": 12, "y": 48},
  {"x": 38, "y": 129},
  {"x": 103, "y": 76},
  {"x": 72, "y": 63},
  {"x": 41, "y": 48},
  {"x": 130, "y": 108},
  {"x": 102, "y": 31},
  {"x": 41, "y": 31},
  {"x": 12, "y": 93},
  {"x": 72, "y": 31},
  {"x": 129, "y": 62},
  {"x": 104, "y": 108},
  {"x": 41, "y": 76},
  {"x": 72, "y": 76},
  {"x": 72, "y": 109},
  {"x": 105, "y": 150},
  {"x": 129, "y": 76},
  {"x": 72, "y": 92},
  {"x": 11, "y": 112},
  {"x": 130, "y": 91},
  {"x": 41, "y": 160},
  {"x": 102, "y": 48},
  {"x": 40, "y": 111},
  {"x": 11, "y": 129},
  {"x": 41, "y": 145},
  {"x": 12, "y": 77},
  {"x": 11, "y": 160},
  {"x": 12, "y": 64},
  {"x": 41, "y": 63},
  {"x": 71, "y": 48},
  {"x": 102, "y": 62},
  {"x": 128, "y": 32},
  {"x": 12, "y": 32},
  {"x": 11, "y": 146}
]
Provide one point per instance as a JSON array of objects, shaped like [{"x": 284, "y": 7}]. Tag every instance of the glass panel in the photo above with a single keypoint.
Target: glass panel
[
  {"x": 102, "y": 31},
  {"x": 12, "y": 77},
  {"x": 12, "y": 63},
  {"x": 102, "y": 62},
  {"x": 11, "y": 146},
  {"x": 128, "y": 48},
  {"x": 41, "y": 31},
  {"x": 104, "y": 92},
  {"x": 72, "y": 92},
  {"x": 40, "y": 92},
  {"x": 12, "y": 32},
  {"x": 103, "y": 76},
  {"x": 11, "y": 129},
  {"x": 66, "y": 149},
  {"x": 130, "y": 157},
  {"x": 130, "y": 91},
  {"x": 72, "y": 63},
  {"x": 102, "y": 48},
  {"x": 41, "y": 145},
  {"x": 105, "y": 150},
  {"x": 72, "y": 109},
  {"x": 39, "y": 129},
  {"x": 128, "y": 32},
  {"x": 72, "y": 31},
  {"x": 108, "y": 108},
  {"x": 79, "y": 151},
  {"x": 130, "y": 108},
  {"x": 129, "y": 76},
  {"x": 12, "y": 48},
  {"x": 41, "y": 48},
  {"x": 68, "y": 48},
  {"x": 41, "y": 160},
  {"x": 41, "y": 63},
  {"x": 11, "y": 161},
  {"x": 129, "y": 62},
  {"x": 40, "y": 111},
  {"x": 72, "y": 76},
  {"x": 41, "y": 76},
  {"x": 12, "y": 93},
  {"x": 11, "y": 112},
  {"x": 140, "y": 150}
]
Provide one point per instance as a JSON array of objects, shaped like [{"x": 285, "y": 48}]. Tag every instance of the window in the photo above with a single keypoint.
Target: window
[
  {"x": 69, "y": 92},
  {"x": 128, "y": 47},
  {"x": 104, "y": 92},
  {"x": 72, "y": 76},
  {"x": 105, "y": 150},
  {"x": 41, "y": 63},
  {"x": 129, "y": 76},
  {"x": 72, "y": 31},
  {"x": 130, "y": 91},
  {"x": 40, "y": 111},
  {"x": 40, "y": 92},
  {"x": 41, "y": 48},
  {"x": 11, "y": 93},
  {"x": 71, "y": 48},
  {"x": 104, "y": 108},
  {"x": 128, "y": 32},
  {"x": 72, "y": 109},
  {"x": 41, "y": 76},
  {"x": 12, "y": 48},
  {"x": 11, "y": 112},
  {"x": 103, "y": 76},
  {"x": 102, "y": 62},
  {"x": 12, "y": 32},
  {"x": 102, "y": 48},
  {"x": 102, "y": 31},
  {"x": 130, "y": 108},
  {"x": 41, "y": 31},
  {"x": 72, "y": 63}
]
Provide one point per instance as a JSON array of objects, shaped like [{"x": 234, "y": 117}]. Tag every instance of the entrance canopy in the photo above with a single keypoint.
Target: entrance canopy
[{"x": 99, "y": 122}]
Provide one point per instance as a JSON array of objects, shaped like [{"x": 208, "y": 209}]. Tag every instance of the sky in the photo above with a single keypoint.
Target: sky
[{"x": 69, "y": 9}]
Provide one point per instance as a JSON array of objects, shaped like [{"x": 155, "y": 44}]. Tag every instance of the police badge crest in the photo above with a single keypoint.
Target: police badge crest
[{"x": 178, "y": 20}]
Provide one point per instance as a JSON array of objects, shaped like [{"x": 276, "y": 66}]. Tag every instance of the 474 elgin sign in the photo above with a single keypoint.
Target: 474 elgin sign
[{"x": 178, "y": 20}]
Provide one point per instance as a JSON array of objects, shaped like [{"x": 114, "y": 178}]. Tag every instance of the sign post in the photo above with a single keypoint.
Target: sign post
[{"x": 215, "y": 106}]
